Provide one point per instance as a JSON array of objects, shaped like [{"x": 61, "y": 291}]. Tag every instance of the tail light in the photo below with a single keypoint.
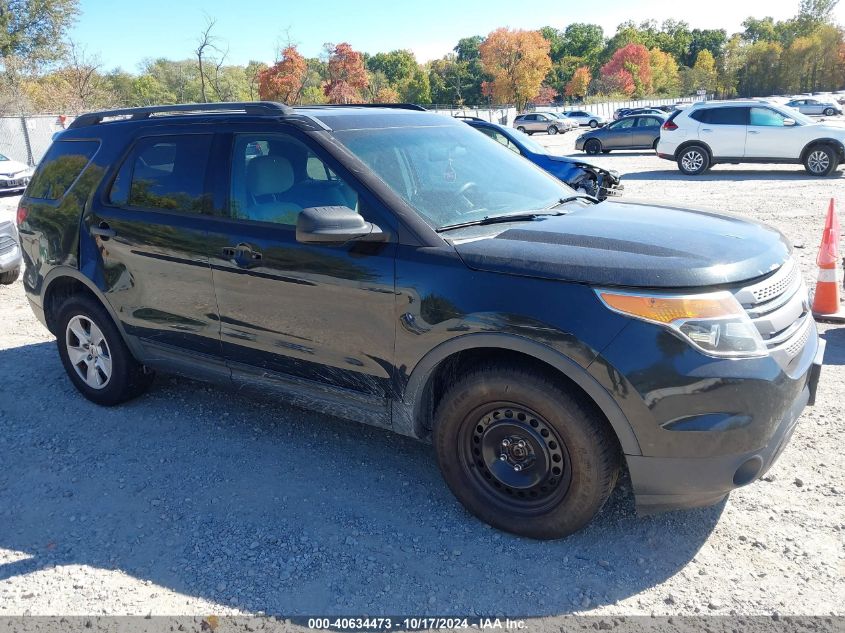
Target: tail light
[
  {"x": 669, "y": 126},
  {"x": 22, "y": 212}
]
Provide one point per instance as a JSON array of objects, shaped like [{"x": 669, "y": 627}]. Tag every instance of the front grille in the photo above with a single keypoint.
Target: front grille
[
  {"x": 7, "y": 244},
  {"x": 779, "y": 308}
]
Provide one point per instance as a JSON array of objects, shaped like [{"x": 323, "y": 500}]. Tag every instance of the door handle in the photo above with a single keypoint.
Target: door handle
[
  {"x": 103, "y": 230},
  {"x": 706, "y": 129},
  {"x": 753, "y": 132}
]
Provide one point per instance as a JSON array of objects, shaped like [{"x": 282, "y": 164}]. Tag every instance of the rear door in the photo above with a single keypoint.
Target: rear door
[
  {"x": 307, "y": 317},
  {"x": 724, "y": 130},
  {"x": 646, "y": 131},
  {"x": 145, "y": 242}
]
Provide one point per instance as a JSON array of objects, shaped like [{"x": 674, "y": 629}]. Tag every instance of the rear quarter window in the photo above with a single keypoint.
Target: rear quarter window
[{"x": 60, "y": 167}]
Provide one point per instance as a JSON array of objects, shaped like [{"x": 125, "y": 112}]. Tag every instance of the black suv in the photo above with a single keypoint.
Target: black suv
[{"x": 396, "y": 268}]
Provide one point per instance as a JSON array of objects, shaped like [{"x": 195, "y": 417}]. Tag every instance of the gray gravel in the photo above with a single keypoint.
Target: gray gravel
[{"x": 194, "y": 500}]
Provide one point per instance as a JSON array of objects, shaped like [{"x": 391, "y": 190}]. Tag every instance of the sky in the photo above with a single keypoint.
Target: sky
[{"x": 124, "y": 33}]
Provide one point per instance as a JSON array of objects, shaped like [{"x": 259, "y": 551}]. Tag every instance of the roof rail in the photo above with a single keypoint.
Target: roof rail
[
  {"x": 467, "y": 117},
  {"x": 247, "y": 107},
  {"x": 396, "y": 106}
]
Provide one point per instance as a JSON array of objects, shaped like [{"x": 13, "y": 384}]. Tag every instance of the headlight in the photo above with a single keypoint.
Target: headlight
[{"x": 713, "y": 323}]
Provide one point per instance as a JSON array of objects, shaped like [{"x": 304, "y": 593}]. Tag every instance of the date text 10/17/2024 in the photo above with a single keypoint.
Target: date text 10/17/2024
[{"x": 414, "y": 624}]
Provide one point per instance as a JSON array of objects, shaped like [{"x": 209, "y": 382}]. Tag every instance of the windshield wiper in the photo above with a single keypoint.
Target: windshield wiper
[
  {"x": 498, "y": 219},
  {"x": 577, "y": 196}
]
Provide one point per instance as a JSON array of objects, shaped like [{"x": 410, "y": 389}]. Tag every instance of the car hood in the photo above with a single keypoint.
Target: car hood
[
  {"x": 12, "y": 167},
  {"x": 625, "y": 244},
  {"x": 580, "y": 163}
]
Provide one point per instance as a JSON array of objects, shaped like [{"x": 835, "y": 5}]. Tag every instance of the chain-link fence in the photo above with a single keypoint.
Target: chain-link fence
[{"x": 26, "y": 138}]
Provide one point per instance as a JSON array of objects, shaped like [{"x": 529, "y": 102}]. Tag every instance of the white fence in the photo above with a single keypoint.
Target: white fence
[{"x": 505, "y": 114}]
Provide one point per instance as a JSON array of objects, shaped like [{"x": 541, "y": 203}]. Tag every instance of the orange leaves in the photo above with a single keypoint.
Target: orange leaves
[
  {"x": 580, "y": 82},
  {"x": 629, "y": 71},
  {"x": 347, "y": 74},
  {"x": 518, "y": 62},
  {"x": 284, "y": 80}
]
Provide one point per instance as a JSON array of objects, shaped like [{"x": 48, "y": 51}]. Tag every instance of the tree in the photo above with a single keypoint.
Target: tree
[
  {"x": 347, "y": 76},
  {"x": 34, "y": 30},
  {"x": 703, "y": 76},
  {"x": 580, "y": 83},
  {"x": 584, "y": 41},
  {"x": 664, "y": 73},
  {"x": 386, "y": 95},
  {"x": 712, "y": 40},
  {"x": 284, "y": 80},
  {"x": 629, "y": 70},
  {"x": 207, "y": 42},
  {"x": 417, "y": 88},
  {"x": 517, "y": 61},
  {"x": 397, "y": 66},
  {"x": 468, "y": 58},
  {"x": 546, "y": 96}
]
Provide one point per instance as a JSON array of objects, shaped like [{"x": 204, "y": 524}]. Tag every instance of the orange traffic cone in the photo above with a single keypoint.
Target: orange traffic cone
[{"x": 826, "y": 306}]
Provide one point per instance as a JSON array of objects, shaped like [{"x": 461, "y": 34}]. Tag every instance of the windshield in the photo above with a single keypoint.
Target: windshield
[
  {"x": 452, "y": 174},
  {"x": 529, "y": 143},
  {"x": 794, "y": 114},
  {"x": 3, "y": 157}
]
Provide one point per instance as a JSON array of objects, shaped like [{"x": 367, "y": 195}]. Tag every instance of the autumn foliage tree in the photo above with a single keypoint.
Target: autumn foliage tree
[
  {"x": 629, "y": 71},
  {"x": 347, "y": 76},
  {"x": 580, "y": 82},
  {"x": 284, "y": 80},
  {"x": 546, "y": 96},
  {"x": 517, "y": 62}
]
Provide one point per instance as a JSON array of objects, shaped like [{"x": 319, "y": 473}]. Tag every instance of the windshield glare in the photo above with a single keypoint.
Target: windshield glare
[{"x": 452, "y": 174}]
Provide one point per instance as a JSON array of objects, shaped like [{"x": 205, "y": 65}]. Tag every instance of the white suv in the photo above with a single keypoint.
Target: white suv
[{"x": 749, "y": 132}]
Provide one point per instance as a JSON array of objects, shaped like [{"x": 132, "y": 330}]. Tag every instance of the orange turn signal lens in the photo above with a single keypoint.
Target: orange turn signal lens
[{"x": 668, "y": 309}]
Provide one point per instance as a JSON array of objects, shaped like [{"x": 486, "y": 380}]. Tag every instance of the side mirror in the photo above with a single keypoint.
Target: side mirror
[
  {"x": 335, "y": 225},
  {"x": 788, "y": 122}
]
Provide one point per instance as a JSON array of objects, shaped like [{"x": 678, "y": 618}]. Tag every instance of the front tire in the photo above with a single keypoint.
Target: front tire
[
  {"x": 821, "y": 160},
  {"x": 10, "y": 276},
  {"x": 592, "y": 146},
  {"x": 522, "y": 454},
  {"x": 693, "y": 160},
  {"x": 95, "y": 356},
  {"x": 521, "y": 129}
]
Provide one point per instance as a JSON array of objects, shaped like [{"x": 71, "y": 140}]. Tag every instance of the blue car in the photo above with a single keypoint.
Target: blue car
[{"x": 578, "y": 174}]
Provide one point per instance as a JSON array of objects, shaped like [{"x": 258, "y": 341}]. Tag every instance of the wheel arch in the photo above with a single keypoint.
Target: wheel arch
[
  {"x": 64, "y": 282},
  {"x": 835, "y": 143},
  {"x": 415, "y": 410},
  {"x": 692, "y": 142}
]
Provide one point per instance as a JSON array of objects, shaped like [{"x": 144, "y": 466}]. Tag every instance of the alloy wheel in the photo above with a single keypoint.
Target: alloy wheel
[
  {"x": 692, "y": 161},
  {"x": 818, "y": 161},
  {"x": 88, "y": 352}
]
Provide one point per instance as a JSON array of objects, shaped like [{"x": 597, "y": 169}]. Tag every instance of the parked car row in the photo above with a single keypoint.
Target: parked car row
[
  {"x": 556, "y": 122},
  {"x": 638, "y": 131}
]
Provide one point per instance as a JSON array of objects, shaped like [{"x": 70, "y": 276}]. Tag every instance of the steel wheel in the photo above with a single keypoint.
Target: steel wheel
[
  {"x": 515, "y": 457},
  {"x": 88, "y": 352},
  {"x": 818, "y": 161}
]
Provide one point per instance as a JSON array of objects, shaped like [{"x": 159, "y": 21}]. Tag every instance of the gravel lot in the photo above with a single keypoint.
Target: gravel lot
[{"x": 195, "y": 500}]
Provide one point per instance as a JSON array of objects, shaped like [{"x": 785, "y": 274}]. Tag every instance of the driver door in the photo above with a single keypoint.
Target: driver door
[
  {"x": 768, "y": 137},
  {"x": 319, "y": 317}
]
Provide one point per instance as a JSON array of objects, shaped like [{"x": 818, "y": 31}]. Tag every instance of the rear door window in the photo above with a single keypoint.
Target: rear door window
[
  {"x": 727, "y": 116},
  {"x": 60, "y": 167},
  {"x": 165, "y": 173}
]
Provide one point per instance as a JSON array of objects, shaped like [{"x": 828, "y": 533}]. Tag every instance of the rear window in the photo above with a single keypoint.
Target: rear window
[
  {"x": 60, "y": 167},
  {"x": 721, "y": 116},
  {"x": 165, "y": 173}
]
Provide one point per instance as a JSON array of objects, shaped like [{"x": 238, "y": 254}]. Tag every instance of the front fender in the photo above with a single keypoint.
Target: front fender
[{"x": 407, "y": 418}]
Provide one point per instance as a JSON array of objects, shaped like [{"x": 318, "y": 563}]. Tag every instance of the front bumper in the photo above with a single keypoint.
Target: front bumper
[{"x": 667, "y": 483}]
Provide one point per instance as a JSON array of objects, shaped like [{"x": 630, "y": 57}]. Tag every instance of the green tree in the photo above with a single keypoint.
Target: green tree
[
  {"x": 34, "y": 30},
  {"x": 703, "y": 74},
  {"x": 397, "y": 66},
  {"x": 417, "y": 88},
  {"x": 467, "y": 53},
  {"x": 712, "y": 40}
]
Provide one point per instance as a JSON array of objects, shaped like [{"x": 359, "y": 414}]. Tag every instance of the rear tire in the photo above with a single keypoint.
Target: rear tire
[
  {"x": 561, "y": 458},
  {"x": 829, "y": 112},
  {"x": 821, "y": 160},
  {"x": 592, "y": 146},
  {"x": 10, "y": 276},
  {"x": 594, "y": 124},
  {"x": 552, "y": 130},
  {"x": 693, "y": 160},
  {"x": 95, "y": 356}
]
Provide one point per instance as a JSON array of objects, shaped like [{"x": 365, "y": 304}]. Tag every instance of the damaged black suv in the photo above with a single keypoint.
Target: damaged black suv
[{"x": 397, "y": 268}]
